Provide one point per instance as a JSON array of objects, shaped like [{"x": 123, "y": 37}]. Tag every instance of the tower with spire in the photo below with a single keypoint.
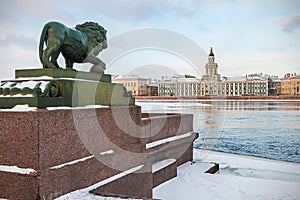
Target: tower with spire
[{"x": 211, "y": 79}]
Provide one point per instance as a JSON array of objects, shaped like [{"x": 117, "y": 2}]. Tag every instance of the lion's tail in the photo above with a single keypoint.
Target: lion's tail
[{"x": 43, "y": 38}]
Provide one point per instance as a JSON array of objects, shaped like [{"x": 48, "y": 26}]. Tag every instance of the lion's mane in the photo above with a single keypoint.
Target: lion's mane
[{"x": 96, "y": 34}]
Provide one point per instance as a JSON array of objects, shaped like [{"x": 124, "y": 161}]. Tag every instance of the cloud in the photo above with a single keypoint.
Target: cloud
[
  {"x": 30, "y": 12},
  {"x": 291, "y": 23},
  {"x": 122, "y": 10},
  {"x": 21, "y": 41},
  {"x": 141, "y": 10}
]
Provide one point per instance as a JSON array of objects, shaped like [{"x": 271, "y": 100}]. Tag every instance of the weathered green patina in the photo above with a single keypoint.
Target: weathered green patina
[
  {"x": 58, "y": 88},
  {"x": 78, "y": 45},
  {"x": 62, "y": 73},
  {"x": 29, "y": 88}
]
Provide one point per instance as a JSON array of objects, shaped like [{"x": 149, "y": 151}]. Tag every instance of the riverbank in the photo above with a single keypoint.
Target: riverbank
[
  {"x": 281, "y": 97},
  {"x": 240, "y": 177}
]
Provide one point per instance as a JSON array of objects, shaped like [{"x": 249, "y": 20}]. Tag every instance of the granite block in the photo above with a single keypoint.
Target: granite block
[
  {"x": 19, "y": 139},
  {"x": 145, "y": 129},
  {"x": 180, "y": 149},
  {"x": 175, "y": 123},
  {"x": 159, "y": 128},
  {"x": 59, "y": 141},
  {"x": 56, "y": 182},
  {"x": 134, "y": 185},
  {"x": 164, "y": 174},
  {"x": 186, "y": 156},
  {"x": 167, "y": 125},
  {"x": 15, "y": 186},
  {"x": 186, "y": 123},
  {"x": 121, "y": 128}
]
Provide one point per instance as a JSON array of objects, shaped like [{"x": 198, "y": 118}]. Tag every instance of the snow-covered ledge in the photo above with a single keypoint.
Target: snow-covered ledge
[{"x": 16, "y": 169}]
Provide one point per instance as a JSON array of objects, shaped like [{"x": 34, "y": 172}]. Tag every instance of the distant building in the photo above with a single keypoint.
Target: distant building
[
  {"x": 184, "y": 85},
  {"x": 249, "y": 86},
  {"x": 274, "y": 87},
  {"x": 234, "y": 87},
  {"x": 257, "y": 86},
  {"x": 290, "y": 84},
  {"x": 152, "y": 90},
  {"x": 133, "y": 84},
  {"x": 211, "y": 80}
]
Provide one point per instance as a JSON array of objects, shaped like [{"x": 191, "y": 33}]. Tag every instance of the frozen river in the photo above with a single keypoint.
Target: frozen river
[{"x": 268, "y": 129}]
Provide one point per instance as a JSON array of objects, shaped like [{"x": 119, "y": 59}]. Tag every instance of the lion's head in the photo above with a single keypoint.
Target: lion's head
[{"x": 96, "y": 35}]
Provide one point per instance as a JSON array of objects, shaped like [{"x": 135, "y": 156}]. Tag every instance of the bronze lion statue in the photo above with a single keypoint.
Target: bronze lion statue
[{"x": 79, "y": 45}]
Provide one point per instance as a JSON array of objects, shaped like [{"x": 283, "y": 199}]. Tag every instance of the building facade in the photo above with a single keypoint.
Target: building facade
[
  {"x": 184, "y": 85},
  {"x": 257, "y": 87},
  {"x": 245, "y": 87},
  {"x": 234, "y": 87},
  {"x": 290, "y": 84},
  {"x": 211, "y": 80},
  {"x": 134, "y": 85},
  {"x": 274, "y": 87},
  {"x": 152, "y": 90}
]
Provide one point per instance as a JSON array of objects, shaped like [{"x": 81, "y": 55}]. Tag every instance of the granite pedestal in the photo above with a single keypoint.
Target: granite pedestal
[{"x": 71, "y": 149}]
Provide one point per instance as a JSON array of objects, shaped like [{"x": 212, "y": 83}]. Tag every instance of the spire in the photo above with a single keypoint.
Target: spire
[{"x": 211, "y": 52}]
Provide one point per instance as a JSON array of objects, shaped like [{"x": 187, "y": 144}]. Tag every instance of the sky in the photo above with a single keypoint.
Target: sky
[{"x": 160, "y": 36}]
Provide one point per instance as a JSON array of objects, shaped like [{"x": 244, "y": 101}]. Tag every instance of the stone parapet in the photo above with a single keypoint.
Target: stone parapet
[{"x": 62, "y": 150}]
